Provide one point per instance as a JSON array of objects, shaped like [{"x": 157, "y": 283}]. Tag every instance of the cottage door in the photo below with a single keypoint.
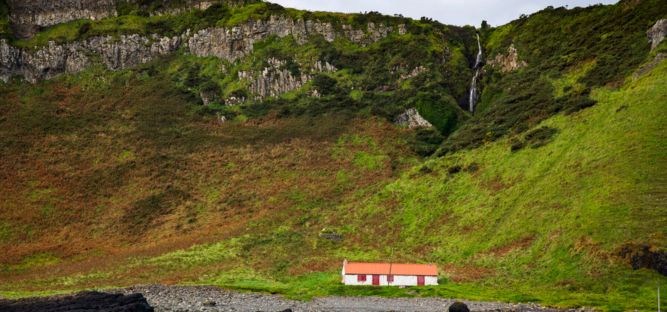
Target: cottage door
[
  {"x": 376, "y": 280},
  {"x": 420, "y": 281}
]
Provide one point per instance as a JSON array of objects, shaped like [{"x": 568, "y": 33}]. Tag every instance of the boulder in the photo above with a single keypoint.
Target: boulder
[
  {"x": 208, "y": 303},
  {"x": 657, "y": 33},
  {"x": 87, "y": 301},
  {"x": 458, "y": 307}
]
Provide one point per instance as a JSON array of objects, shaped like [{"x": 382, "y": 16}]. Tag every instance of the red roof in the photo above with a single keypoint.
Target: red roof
[{"x": 396, "y": 269}]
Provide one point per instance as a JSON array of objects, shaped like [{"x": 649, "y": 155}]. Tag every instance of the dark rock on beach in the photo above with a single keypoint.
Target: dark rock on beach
[
  {"x": 458, "y": 307},
  {"x": 86, "y": 301}
]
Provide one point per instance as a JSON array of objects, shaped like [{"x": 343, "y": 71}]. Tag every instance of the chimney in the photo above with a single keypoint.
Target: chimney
[{"x": 345, "y": 261}]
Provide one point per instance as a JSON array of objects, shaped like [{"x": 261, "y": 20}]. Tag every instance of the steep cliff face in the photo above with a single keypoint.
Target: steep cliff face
[
  {"x": 45, "y": 13},
  {"x": 27, "y": 16},
  {"x": 508, "y": 63},
  {"x": 55, "y": 60},
  {"x": 272, "y": 81},
  {"x": 228, "y": 44}
]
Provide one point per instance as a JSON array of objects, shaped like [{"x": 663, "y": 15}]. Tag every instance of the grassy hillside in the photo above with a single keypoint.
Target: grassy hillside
[
  {"x": 112, "y": 179},
  {"x": 611, "y": 40}
]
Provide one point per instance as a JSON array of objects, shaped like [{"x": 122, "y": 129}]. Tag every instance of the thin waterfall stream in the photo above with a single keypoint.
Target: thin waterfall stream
[{"x": 473, "y": 84}]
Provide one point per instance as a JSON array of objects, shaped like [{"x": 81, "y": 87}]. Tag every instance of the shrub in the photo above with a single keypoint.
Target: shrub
[
  {"x": 425, "y": 141},
  {"x": 125, "y": 9},
  {"x": 84, "y": 29},
  {"x": 324, "y": 84},
  {"x": 441, "y": 111},
  {"x": 210, "y": 87},
  {"x": 516, "y": 146},
  {"x": 540, "y": 137}
]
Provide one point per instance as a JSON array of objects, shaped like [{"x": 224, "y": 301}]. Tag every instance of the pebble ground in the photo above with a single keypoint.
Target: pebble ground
[{"x": 194, "y": 298}]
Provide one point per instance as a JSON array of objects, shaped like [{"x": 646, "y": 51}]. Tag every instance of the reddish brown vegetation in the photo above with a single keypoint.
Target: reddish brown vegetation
[
  {"x": 132, "y": 172},
  {"x": 468, "y": 273},
  {"x": 519, "y": 243}
]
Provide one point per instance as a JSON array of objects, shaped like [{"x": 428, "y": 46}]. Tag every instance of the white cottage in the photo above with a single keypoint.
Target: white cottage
[{"x": 387, "y": 274}]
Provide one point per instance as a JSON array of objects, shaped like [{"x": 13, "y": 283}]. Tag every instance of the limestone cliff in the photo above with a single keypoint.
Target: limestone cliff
[
  {"x": 55, "y": 60},
  {"x": 27, "y": 16},
  {"x": 272, "y": 81},
  {"x": 508, "y": 63},
  {"x": 229, "y": 44}
]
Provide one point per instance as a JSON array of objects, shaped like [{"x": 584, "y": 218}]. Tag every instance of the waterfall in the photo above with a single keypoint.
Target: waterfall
[
  {"x": 473, "y": 91},
  {"x": 473, "y": 84}
]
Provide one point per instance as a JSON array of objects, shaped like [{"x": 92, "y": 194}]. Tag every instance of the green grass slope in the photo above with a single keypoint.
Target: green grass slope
[{"x": 535, "y": 225}]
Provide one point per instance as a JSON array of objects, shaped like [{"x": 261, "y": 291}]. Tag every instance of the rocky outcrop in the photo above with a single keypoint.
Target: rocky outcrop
[
  {"x": 47, "y": 13},
  {"x": 412, "y": 119},
  {"x": 30, "y": 15},
  {"x": 508, "y": 63},
  {"x": 401, "y": 30},
  {"x": 657, "y": 33},
  {"x": 642, "y": 256},
  {"x": 273, "y": 81},
  {"x": 649, "y": 67},
  {"x": 55, "y": 60},
  {"x": 208, "y": 97},
  {"x": 129, "y": 51},
  {"x": 237, "y": 42},
  {"x": 87, "y": 301},
  {"x": 408, "y": 74}
]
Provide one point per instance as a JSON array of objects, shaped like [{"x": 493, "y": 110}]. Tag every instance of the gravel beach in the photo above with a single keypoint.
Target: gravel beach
[{"x": 210, "y": 298}]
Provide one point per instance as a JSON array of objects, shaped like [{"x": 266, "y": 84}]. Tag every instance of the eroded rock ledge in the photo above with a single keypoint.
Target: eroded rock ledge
[
  {"x": 508, "y": 63},
  {"x": 30, "y": 15},
  {"x": 228, "y": 44}
]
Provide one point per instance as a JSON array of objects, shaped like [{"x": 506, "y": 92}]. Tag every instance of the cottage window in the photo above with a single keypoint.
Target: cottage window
[
  {"x": 361, "y": 278},
  {"x": 390, "y": 278}
]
